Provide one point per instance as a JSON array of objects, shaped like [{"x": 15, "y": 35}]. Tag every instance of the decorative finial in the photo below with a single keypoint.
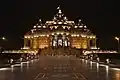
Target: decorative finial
[
  {"x": 65, "y": 18},
  {"x": 79, "y": 20},
  {"x": 58, "y": 7},
  {"x": 40, "y": 20},
  {"x": 59, "y": 10},
  {"x": 54, "y": 18}
]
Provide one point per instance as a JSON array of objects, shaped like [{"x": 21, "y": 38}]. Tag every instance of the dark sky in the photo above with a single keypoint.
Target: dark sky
[{"x": 101, "y": 16}]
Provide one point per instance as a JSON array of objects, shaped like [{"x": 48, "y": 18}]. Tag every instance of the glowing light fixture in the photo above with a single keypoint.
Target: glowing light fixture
[
  {"x": 39, "y": 26},
  {"x": 85, "y": 26},
  {"x": 44, "y": 26},
  {"x": 75, "y": 26},
  {"x": 34, "y": 27},
  {"x": 116, "y": 38},
  {"x": 80, "y": 26},
  {"x": 59, "y": 22}
]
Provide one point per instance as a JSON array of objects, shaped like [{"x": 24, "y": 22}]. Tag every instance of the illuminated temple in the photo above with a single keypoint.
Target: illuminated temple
[{"x": 59, "y": 32}]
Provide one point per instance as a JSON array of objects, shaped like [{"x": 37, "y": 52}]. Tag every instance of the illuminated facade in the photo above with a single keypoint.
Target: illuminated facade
[{"x": 59, "y": 32}]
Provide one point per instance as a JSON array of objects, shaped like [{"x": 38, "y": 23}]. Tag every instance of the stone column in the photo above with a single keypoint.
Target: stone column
[
  {"x": 31, "y": 43},
  {"x": 56, "y": 39},
  {"x": 34, "y": 43},
  {"x": 25, "y": 42},
  {"x": 37, "y": 40},
  {"x": 63, "y": 42},
  {"x": 88, "y": 43},
  {"x": 95, "y": 43}
]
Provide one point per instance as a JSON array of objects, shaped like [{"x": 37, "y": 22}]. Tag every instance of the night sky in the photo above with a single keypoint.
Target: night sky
[{"x": 18, "y": 16}]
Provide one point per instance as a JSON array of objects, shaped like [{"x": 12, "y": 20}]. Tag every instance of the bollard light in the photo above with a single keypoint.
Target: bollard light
[
  {"x": 98, "y": 59},
  {"x": 21, "y": 59},
  {"x": 108, "y": 61},
  {"x": 11, "y": 61},
  {"x": 27, "y": 58}
]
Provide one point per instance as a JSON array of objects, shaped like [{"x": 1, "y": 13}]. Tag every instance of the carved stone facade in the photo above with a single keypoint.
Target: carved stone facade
[{"x": 59, "y": 32}]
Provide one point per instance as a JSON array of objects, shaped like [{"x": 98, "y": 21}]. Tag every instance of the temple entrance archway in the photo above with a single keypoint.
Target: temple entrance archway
[{"x": 60, "y": 40}]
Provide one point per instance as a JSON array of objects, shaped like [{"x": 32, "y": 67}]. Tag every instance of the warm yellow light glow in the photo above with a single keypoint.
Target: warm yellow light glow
[
  {"x": 43, "y": 35},
  {"x": 39, "y": 26},
  {"x": 68, "y": 27},
  {"x": 79, "y": 20},
  {"x": 65, "y": 23},
  {"x": 55, "y": 27},
  {"x": 85, "y": 26},
  {"x": 52, "y": 33},
  {"x": 93, "y": 36},
  {"x": 58, "y": 33},
  {"x": 59, "y": 22},
  {"x": 77, "y": 35},
  {"x": 44, "y": 26},
  {"x": 28, "y": 37},
  {"x": 34, "y": 27},
  {"x": 76, "y": 26},
  {"x": 63, "y": 27},
  {"x": 70, "y": 22},
  {"x": 47, "y": 35},
  {"x": 116, "y": 38},
  {"x": 67, "y": 33},
  {"x": 39, "y": 20},
  {"x": 83, "y": 35},
  {"x": 60, "y": 11},
  {"x": 54, "y": 23},
  {"x": 25, "y": 36},
  {"x": 65, "y": 17},
  {"x": 62, "y": 33},
  {"x": 80, "y": 26},
  {"x": 35, "y": 35}
]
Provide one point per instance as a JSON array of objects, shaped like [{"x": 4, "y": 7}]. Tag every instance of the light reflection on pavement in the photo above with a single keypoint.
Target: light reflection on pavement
[{"x": 59, "y": 68}]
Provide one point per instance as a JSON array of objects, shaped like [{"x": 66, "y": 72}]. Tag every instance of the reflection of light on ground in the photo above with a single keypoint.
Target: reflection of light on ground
[
  {"x": 116, "y": 69},
  {"x": 97, "y": 67},
  {"x": 117, "y": 75},
  {"x": 93, "y": 62},
  {"x": 103, "y": 65},
  {"x": 17, "y": 65},
  {"x": 21, "y": 68},
  {"x": 32, "y": 61},
  {"x": 90, "y": 64},
  {"x": 107, "y": 72},
  {"x": 26, "y": 62},
  {"x": 12, "y": 68},
  {"x": 82, "y": 60},
  {"x": 86, "y": 61},
  {"x": 4, "y": 69},
  {"x": 27, "y": 65}
]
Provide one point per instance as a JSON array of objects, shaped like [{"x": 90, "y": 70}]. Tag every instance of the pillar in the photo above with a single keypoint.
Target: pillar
[
  {"x": 95, "y": 43},
  {"x": 88, "y": 43},
  {"x": 25, "y": 42},
  {"x": 31, "y": 43}
]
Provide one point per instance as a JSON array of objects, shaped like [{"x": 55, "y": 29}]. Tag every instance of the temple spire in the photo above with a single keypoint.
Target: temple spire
[
  {"x": 59, "y": 17},
  {"x": 59, "y": 10},
  {"x": 80, "y": 22}
]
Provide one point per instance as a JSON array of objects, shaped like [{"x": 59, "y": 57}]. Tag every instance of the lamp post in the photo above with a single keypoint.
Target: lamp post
[
  {"x": 1, "y": 43},
  {"x": 117, "y": 38}
]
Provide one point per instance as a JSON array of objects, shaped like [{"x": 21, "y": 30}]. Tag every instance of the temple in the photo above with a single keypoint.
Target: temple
[{"x": 59, "y": 32}]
